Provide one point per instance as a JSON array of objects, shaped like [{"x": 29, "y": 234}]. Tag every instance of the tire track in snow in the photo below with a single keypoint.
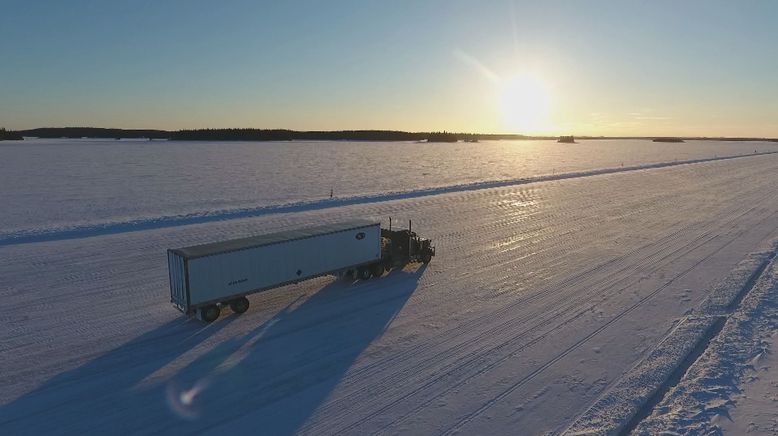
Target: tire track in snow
[
  {"x": 109, "y": 228},
  {"x": 707, "y": 224},
  {"x": 671, "y": 236},
  {"x": 473, "y": 359},
  {"x": 385, "y": 362},
  {"x": 471, "y": 416},
  {"x": 571, "y": 279}
]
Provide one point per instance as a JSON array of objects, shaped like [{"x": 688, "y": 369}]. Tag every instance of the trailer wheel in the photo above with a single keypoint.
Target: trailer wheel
[
  {"x": 377, "y": 269},
  {"x": 209, "y": 313},
  {"x": 348, "y": 275},
  {"x": 239, "y": 305},
  {"x": 364, "y": 273}
]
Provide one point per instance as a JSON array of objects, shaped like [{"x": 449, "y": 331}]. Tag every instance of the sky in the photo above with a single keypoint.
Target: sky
[{"x": 637, "y": 68}]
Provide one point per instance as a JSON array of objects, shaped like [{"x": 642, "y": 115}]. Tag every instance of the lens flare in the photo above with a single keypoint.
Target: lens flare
[
  {"x": 525, "y": 103},
  {"x": 183, "y": 402}
]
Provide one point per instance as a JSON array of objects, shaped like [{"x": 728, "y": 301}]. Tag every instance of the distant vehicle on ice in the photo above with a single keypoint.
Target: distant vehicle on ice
[{"x": 204, "y": 278}]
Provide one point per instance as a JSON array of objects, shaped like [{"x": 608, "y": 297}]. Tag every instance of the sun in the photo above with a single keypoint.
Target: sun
[{"x": 525, "y": 103}]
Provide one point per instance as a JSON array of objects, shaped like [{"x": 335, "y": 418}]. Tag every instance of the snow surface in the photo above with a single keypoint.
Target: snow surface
[
  {"x": 54, "y": 183},
  {"x": 755, "y": 408},
  {"x": 542, "y": 296}
]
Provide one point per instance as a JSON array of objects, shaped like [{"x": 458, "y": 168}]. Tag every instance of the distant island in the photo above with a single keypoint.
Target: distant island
[
  {"x": 442, "y": 137},
  {"x": 251, "y": 134},
  {"x": 6, "y": 135}
]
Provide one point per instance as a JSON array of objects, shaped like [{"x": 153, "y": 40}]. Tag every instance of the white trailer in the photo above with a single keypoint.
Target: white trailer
[{"x": 205, "y": 277}]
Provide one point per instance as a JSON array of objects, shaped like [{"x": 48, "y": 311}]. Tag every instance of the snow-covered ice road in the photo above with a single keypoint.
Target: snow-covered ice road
[{"x": 541, "y": 296}]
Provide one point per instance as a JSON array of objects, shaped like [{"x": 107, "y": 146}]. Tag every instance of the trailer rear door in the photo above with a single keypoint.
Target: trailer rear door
[{"x": 178, "y": 281}]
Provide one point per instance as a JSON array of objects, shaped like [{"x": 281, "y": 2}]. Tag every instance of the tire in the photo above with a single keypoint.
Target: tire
[
  {"x": 426, "y": 258},
  {"x": 210, "y": 313},
  {"x": 388, "y": 265},
  {"x": 239, "y": 305},
  {"x": 377, "y": 269},
  {"x": 364, "y": 273}
]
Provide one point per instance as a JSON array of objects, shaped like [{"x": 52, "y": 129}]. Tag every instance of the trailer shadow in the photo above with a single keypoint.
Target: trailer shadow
[
  {"x": 268, "y": 380},
  {"x": 73, "y": 402},
  {"x": 273, "y": 379}
]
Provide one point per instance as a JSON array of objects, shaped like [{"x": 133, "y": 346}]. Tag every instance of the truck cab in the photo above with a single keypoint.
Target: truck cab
[{"x": 400, "y": 247}]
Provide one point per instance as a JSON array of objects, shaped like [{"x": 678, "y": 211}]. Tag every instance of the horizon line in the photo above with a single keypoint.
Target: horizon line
[{"x": 451, "y": 132}]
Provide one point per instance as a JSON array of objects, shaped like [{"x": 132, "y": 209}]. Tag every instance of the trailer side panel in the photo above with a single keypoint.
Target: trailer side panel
[{"x": 244, "y": 271}]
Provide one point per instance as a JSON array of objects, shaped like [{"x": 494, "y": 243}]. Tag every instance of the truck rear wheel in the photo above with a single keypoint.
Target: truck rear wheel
[
  {"x": 377, "y": 269},
  {"x": 239, "y": 305},
  {"x": 364, "y": 273},
  {"x": 209, "y": 313}
]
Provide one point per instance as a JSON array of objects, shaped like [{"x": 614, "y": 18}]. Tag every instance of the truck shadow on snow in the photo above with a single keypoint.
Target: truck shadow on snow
[
  {"x": 271, "y": 379},
  {"x": 96, "y": 394}
]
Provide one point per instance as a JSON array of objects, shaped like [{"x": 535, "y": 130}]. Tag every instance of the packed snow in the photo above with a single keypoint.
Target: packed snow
[
  {"x": 542, "y": 297},
  {"x": 755, "y": 406}
]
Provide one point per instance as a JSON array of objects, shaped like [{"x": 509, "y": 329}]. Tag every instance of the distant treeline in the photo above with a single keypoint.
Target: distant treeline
[
  {"x": 260, "y": 134},
  {"x": 296, "y": 135},
  {"x": 320, "y": 135},
  {"x": 289, "y": 135},
  {"x": 6, "y": 135},
  {"x": 93, "y": 132}
]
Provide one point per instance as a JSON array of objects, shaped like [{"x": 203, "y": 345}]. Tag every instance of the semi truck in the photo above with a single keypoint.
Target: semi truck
[{"x": 205, "y": 278}]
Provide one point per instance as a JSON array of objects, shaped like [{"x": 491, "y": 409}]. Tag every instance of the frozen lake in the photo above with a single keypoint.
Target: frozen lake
[
  {"x": 541, "y": 297},
  {"x": 53, "y": 183}
]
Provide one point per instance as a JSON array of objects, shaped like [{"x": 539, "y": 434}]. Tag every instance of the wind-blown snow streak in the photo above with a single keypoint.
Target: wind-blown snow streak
[
  {"x": 148, "y": 223},
  {"x": 634, "y": 396}
]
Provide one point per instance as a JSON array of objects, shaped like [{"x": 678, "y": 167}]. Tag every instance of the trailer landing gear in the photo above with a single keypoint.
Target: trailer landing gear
[{"x": 239, "y": 305}]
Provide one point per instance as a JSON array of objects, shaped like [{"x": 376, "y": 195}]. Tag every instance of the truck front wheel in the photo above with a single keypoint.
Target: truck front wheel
[
  {"x": 377, "y": 269},
  {"x": 426, "y": 257},
  {"x": 209, "y": 313},
  {"x": 364, "y": 273},
  {"x": 239, "y": 305}
]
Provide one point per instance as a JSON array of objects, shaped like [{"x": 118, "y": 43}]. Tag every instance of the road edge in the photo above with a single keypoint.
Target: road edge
[{"x": 633, "y": 397}]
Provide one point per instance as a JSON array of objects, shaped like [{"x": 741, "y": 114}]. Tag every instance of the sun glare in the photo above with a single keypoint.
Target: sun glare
[{"x": 525, "y": 104}]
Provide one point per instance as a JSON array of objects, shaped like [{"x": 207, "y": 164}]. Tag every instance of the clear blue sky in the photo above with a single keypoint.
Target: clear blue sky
[{"x": 584, "y": 67}]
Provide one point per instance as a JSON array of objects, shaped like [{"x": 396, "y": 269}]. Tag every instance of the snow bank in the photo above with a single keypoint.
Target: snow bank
[
  {"x": 696, "y": 404},
  {"x": 147, "y": 223},
  {"x": 633, "y": 397}
]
